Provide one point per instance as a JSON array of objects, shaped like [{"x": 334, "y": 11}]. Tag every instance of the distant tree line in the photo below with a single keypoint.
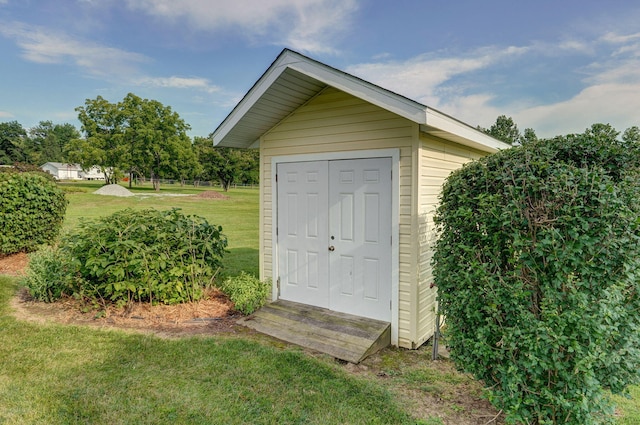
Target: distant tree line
[
  {"x": 506, "y": 130},
  {"x": 135, "y": 138}
]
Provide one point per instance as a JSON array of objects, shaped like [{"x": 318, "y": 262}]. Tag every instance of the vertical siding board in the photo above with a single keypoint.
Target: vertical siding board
[{"x": 438, "y": 160}]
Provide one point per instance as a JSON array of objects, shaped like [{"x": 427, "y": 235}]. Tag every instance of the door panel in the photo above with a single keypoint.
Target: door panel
[
  {"x": 302, "y": 232},
  {"x": 360, "y": 224}
]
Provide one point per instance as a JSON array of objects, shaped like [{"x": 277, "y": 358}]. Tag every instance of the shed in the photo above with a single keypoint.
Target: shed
[{"x": 350, "y": 175}]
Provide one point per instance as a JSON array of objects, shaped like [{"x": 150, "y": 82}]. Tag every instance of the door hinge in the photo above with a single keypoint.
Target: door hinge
[
  {"x": 389, "y": 304},
  {"x": 276, "y": 178},
  {"x": 278, "y": 286}
]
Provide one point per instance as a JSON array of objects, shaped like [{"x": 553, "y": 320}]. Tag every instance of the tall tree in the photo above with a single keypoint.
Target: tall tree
[
  {"x": 137, "y": 136},
  {"x": 504, "y": 129},
  {"x": 99, "y": 147},
  {"x": 227, "y": 165},
  {"x": 12, "y": 137},
  {"x": 631, "y": 135},
  {"x": 529, "y": 136},
  {"x": 48, "y": 141},
  {"x": 156, "y": 140}
]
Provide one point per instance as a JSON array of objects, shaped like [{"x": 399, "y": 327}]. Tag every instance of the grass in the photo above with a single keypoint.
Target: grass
[
  {"x": 57, "y": 374},
  {"x": 629, "y": 407}
]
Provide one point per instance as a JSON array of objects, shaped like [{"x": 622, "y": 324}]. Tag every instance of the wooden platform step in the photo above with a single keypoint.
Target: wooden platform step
[{"x": 344, "y": 336}]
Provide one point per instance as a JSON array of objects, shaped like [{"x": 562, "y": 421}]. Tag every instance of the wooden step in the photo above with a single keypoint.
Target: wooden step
[{"x": 344, "y": 336}]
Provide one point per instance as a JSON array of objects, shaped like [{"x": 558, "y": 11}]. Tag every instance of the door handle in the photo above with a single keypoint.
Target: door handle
[{"x": 332, "y": 248}]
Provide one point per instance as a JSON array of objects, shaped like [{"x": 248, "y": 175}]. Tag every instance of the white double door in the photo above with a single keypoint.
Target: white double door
[{"x": 334, "y": 235}]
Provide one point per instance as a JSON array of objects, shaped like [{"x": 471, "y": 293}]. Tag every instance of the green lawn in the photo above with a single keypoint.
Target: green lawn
[{"x": 62, "y": 374}]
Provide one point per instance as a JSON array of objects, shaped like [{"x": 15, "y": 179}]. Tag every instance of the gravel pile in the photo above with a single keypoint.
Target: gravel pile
[{"x": 113, "y": 190}]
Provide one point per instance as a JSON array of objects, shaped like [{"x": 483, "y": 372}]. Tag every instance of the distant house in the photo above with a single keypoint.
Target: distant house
[
  {"x": 93, "y": 173},
  {"x": 62, "y": 171}
]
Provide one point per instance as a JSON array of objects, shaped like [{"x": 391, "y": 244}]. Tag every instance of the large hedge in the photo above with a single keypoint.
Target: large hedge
[
  {"x": 32, "y": 210},
  {"x": 148, "y": 255},
  {"x": 538, "y": 273}
]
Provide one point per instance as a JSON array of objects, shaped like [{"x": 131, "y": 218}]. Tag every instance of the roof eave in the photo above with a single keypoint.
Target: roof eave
[{"x": 446, "y": 127}]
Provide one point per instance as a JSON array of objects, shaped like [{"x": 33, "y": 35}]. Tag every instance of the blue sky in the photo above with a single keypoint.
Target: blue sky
[{"x": 555, "y": 66}]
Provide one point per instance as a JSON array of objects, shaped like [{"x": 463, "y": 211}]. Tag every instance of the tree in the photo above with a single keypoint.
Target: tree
[
  {"x": 48, "y": 142},
  {"x": 99, "y": 147},
  {"x": 529, "y": 136},
  {"x": 538, "y": 273},
  {"x": 12, "y": 136},
  {"x": 136, "y": 135},
  {"x": 156, "y": 140},
  {"x": 504, "y": 129},
  {"x": 631, "y": 135},
  {"x": 227, "y": 165}
]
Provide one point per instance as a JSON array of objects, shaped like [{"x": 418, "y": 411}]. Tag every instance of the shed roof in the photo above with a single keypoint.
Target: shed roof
[{"x": 293, "y": 79}]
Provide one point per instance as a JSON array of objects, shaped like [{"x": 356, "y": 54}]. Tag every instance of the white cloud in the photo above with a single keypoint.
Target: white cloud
[
  {"x": 42, "y": 45},
  {"x": 422, "y": 77},
  {"x": 4, "y": 114},
  {"x": 180, "y": 83},
  {"x": 307, "y": 25},
  {"x": 609, "y": 92},
  {"x": 615, "y": 104}
]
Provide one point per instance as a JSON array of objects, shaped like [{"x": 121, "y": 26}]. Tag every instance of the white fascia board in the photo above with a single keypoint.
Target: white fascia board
[
  {"x": 463, "y": 133},
  {"x": 250, "y": 99}
]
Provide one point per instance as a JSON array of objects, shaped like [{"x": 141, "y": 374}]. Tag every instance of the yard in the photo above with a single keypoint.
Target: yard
[{"x": 64, "y": 374}]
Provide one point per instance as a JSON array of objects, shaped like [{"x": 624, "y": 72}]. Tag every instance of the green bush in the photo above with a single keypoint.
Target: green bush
[
  {"x": 49, "y": 276},
  {"x": 537, "y": 267},
  {"x": 32, "y": 210},
  {"x": 246, "y": 291},
  {"x": 149, "y": 255}
]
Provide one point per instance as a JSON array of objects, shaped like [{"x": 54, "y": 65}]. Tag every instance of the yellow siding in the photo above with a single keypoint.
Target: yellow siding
[
  {"x": 337, "y": 122},
  {"x": 437, "y": 160}
]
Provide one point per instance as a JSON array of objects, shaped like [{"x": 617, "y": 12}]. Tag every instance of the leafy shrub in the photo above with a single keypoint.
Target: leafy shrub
[
  {"x": 48, "y": 276},
  {"x": 148, "y": 255},
  {"x": 537, "y": 268},
  {"x": 246, "y": 291},
  {"x": 32, "y": 210}
]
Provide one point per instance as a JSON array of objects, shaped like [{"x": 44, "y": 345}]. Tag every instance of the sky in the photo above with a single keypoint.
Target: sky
[{"x": 556, "y": 66}]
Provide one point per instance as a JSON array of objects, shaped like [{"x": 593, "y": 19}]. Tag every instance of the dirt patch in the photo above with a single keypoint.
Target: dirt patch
[
  {"x": 432, "y": 391},
  {"x": 212, "y": 194},
  {"x": 14, "y": 265}
]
